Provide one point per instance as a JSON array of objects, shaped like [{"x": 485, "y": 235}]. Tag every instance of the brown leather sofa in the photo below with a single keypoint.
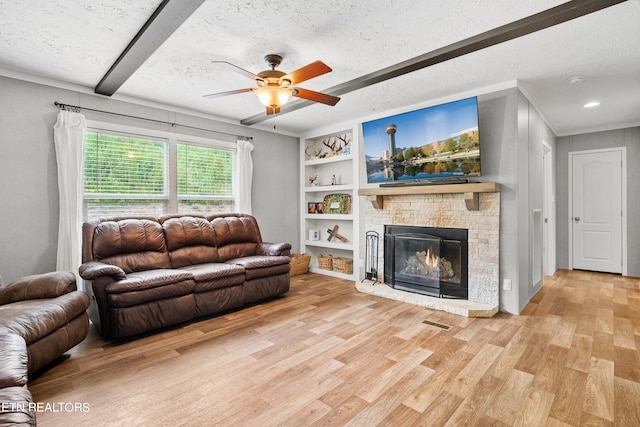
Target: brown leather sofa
[
  {"x": 147, "y": 273},
  {"x": 41, "y": 317}
]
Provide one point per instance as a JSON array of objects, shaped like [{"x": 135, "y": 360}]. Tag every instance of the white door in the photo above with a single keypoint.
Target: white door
[{"x": 596, "y": 210}]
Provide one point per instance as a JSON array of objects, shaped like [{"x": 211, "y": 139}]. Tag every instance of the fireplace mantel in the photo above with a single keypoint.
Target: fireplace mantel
[{"x": 470, "y": 192}]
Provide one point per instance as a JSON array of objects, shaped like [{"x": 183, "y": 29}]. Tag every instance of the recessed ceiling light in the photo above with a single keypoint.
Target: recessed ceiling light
[
  {"x": 576, "y": 80},
  {"x": 591, "y": 104}
]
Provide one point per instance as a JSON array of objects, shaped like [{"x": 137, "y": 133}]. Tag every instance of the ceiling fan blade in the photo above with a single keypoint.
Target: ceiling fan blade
[
  {"x": 239, "y": 70},
  {"x": 230, "y": 92},
  {"x": 273, "y": 110},
  {"x": 307, "y": 72},
  {"x": 315, "y": 96}
]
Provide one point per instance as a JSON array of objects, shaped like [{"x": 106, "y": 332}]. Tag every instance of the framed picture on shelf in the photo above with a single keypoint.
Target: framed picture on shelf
[
  {"x": 320, "y": 207},
  {"x": 311, "y": 207}
]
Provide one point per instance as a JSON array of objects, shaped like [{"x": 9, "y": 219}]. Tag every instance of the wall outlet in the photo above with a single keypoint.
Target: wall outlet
[{"x": 506, "y": 284}]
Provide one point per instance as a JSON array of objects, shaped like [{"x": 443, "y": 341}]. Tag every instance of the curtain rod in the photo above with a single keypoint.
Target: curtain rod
[{"x": 77, "y": 108}]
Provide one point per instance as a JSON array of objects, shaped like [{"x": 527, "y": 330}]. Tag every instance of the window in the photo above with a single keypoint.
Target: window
[
  {"x": 152, "y": 174},
  {"x": 124, "y": 174},
  {"x": 205, "y": 181}
]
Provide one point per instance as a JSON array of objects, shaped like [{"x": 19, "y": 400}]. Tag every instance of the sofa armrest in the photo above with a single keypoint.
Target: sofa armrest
[
  {"x": 13, "y": 360},
  {"x": 274, "y": 249},
  {"x": 47, "y": 285},
  {"x": 94, "y": 270}
]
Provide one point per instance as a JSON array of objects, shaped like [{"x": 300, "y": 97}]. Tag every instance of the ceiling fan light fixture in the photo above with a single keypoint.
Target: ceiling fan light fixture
[
  {"x": 276, "y": 87},
  {"x": 273, "y": 96}
]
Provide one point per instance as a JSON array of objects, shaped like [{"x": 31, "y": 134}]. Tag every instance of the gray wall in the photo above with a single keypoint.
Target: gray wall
[
  {"x": 630, "y": 138},
  {"x": 512, "y": 131},
  {"x": 28, "y": 174},
  {"x": 498, "y": 133}
]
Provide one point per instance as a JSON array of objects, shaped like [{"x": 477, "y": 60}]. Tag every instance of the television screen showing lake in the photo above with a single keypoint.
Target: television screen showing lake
[{"x": 432, "y": 143}]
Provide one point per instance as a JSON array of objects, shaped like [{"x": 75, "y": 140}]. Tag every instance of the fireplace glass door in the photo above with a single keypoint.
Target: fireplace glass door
[
  {"x": 429, "y": 261},
  {"x": 417, "y": 262}
]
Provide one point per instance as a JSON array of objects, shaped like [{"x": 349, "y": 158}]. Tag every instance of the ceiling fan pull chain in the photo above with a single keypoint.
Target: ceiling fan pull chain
[{"x": 274, "y": 118}]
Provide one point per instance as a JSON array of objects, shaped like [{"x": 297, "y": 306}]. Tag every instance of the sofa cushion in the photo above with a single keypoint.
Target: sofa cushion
[
  {"x": 34, "y": 319},
  {"x": 131, "y": 244},
  {"x": 236, "y": 236},
  {"x": 215, "y": 275},
  {"x": 152, "y": 285},
  {"x": 262, "y": 266},
  {"x": 190, "y": 241}
]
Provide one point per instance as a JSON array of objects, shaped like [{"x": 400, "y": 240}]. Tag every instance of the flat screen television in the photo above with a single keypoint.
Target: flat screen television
[{"x": 432, "y": 145}]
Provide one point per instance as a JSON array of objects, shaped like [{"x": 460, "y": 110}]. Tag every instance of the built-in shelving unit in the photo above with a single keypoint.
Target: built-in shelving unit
[{"x": 336, "y": 174}]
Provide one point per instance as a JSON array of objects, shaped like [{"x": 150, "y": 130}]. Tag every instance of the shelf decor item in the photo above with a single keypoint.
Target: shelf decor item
[
  {"x": 325, "y": 262},
  {"x": 315, "y": 155},
  {"x": 343, "y": 265},
  {"x": 336, "y": 145},
  {"x": 333, "y": 232},
  {"x": 337, "y": 203},
  {"x": 299, "y": 264}
]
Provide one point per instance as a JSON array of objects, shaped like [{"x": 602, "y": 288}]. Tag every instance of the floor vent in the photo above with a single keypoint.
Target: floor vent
[{"x": 437, "y": 325}]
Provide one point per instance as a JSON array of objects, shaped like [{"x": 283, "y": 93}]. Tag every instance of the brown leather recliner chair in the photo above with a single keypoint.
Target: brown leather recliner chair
[{"x": 41, "y": 317}]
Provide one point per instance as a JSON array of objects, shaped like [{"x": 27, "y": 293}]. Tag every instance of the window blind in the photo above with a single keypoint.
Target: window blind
[
  {"x": 205, "y": 179},
  {"x": 124, "y": 174}
]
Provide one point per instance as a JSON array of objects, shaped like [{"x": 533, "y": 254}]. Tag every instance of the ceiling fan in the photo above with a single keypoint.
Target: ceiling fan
[{"x": 276, "y": 87}]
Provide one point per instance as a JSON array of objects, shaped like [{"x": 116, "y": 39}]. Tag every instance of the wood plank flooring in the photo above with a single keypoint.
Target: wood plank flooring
[{"x": 327, "y": 355}]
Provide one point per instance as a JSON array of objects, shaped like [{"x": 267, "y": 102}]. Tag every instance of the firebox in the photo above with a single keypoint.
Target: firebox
[{"x": 427, "y": 260}]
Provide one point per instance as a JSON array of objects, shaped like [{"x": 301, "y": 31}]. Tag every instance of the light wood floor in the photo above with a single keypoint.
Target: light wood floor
[{"x": 326, "y": 355}]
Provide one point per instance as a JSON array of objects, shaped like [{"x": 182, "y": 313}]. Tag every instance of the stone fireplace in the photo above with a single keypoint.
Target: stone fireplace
[{"x": 451, "y": 211}]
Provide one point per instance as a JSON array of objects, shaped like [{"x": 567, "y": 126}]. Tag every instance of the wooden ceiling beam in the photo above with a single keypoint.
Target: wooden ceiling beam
[
  {"x": 539, "y": 21},
  {"x": 166, "y": 19}
]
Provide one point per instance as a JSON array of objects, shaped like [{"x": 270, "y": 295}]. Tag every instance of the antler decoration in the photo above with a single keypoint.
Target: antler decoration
[
  {"x": 331, "y": 146},
  {"x": 312, "y": 156},
  {"x": 345, "y": 141},
  {"x": 340, "y": 141},
  {"x": 335, "y": 144}
]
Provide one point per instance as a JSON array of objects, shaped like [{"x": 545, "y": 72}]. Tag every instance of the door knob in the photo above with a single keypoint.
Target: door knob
[{"x": 576, "y": 219}]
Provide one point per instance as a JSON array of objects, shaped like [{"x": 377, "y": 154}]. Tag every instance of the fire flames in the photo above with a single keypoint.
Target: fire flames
[
  {"x": 431, "y": 260},
  {"x": 429, "y": 266}
]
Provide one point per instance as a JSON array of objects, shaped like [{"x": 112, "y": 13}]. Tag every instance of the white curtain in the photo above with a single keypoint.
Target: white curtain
[
  {"x": 69, "y": 135},
  {"x": 245, "y": 175}
]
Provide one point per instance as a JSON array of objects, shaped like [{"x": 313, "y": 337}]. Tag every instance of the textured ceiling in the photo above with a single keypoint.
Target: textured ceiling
[{"x": 77, "y": 41}]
